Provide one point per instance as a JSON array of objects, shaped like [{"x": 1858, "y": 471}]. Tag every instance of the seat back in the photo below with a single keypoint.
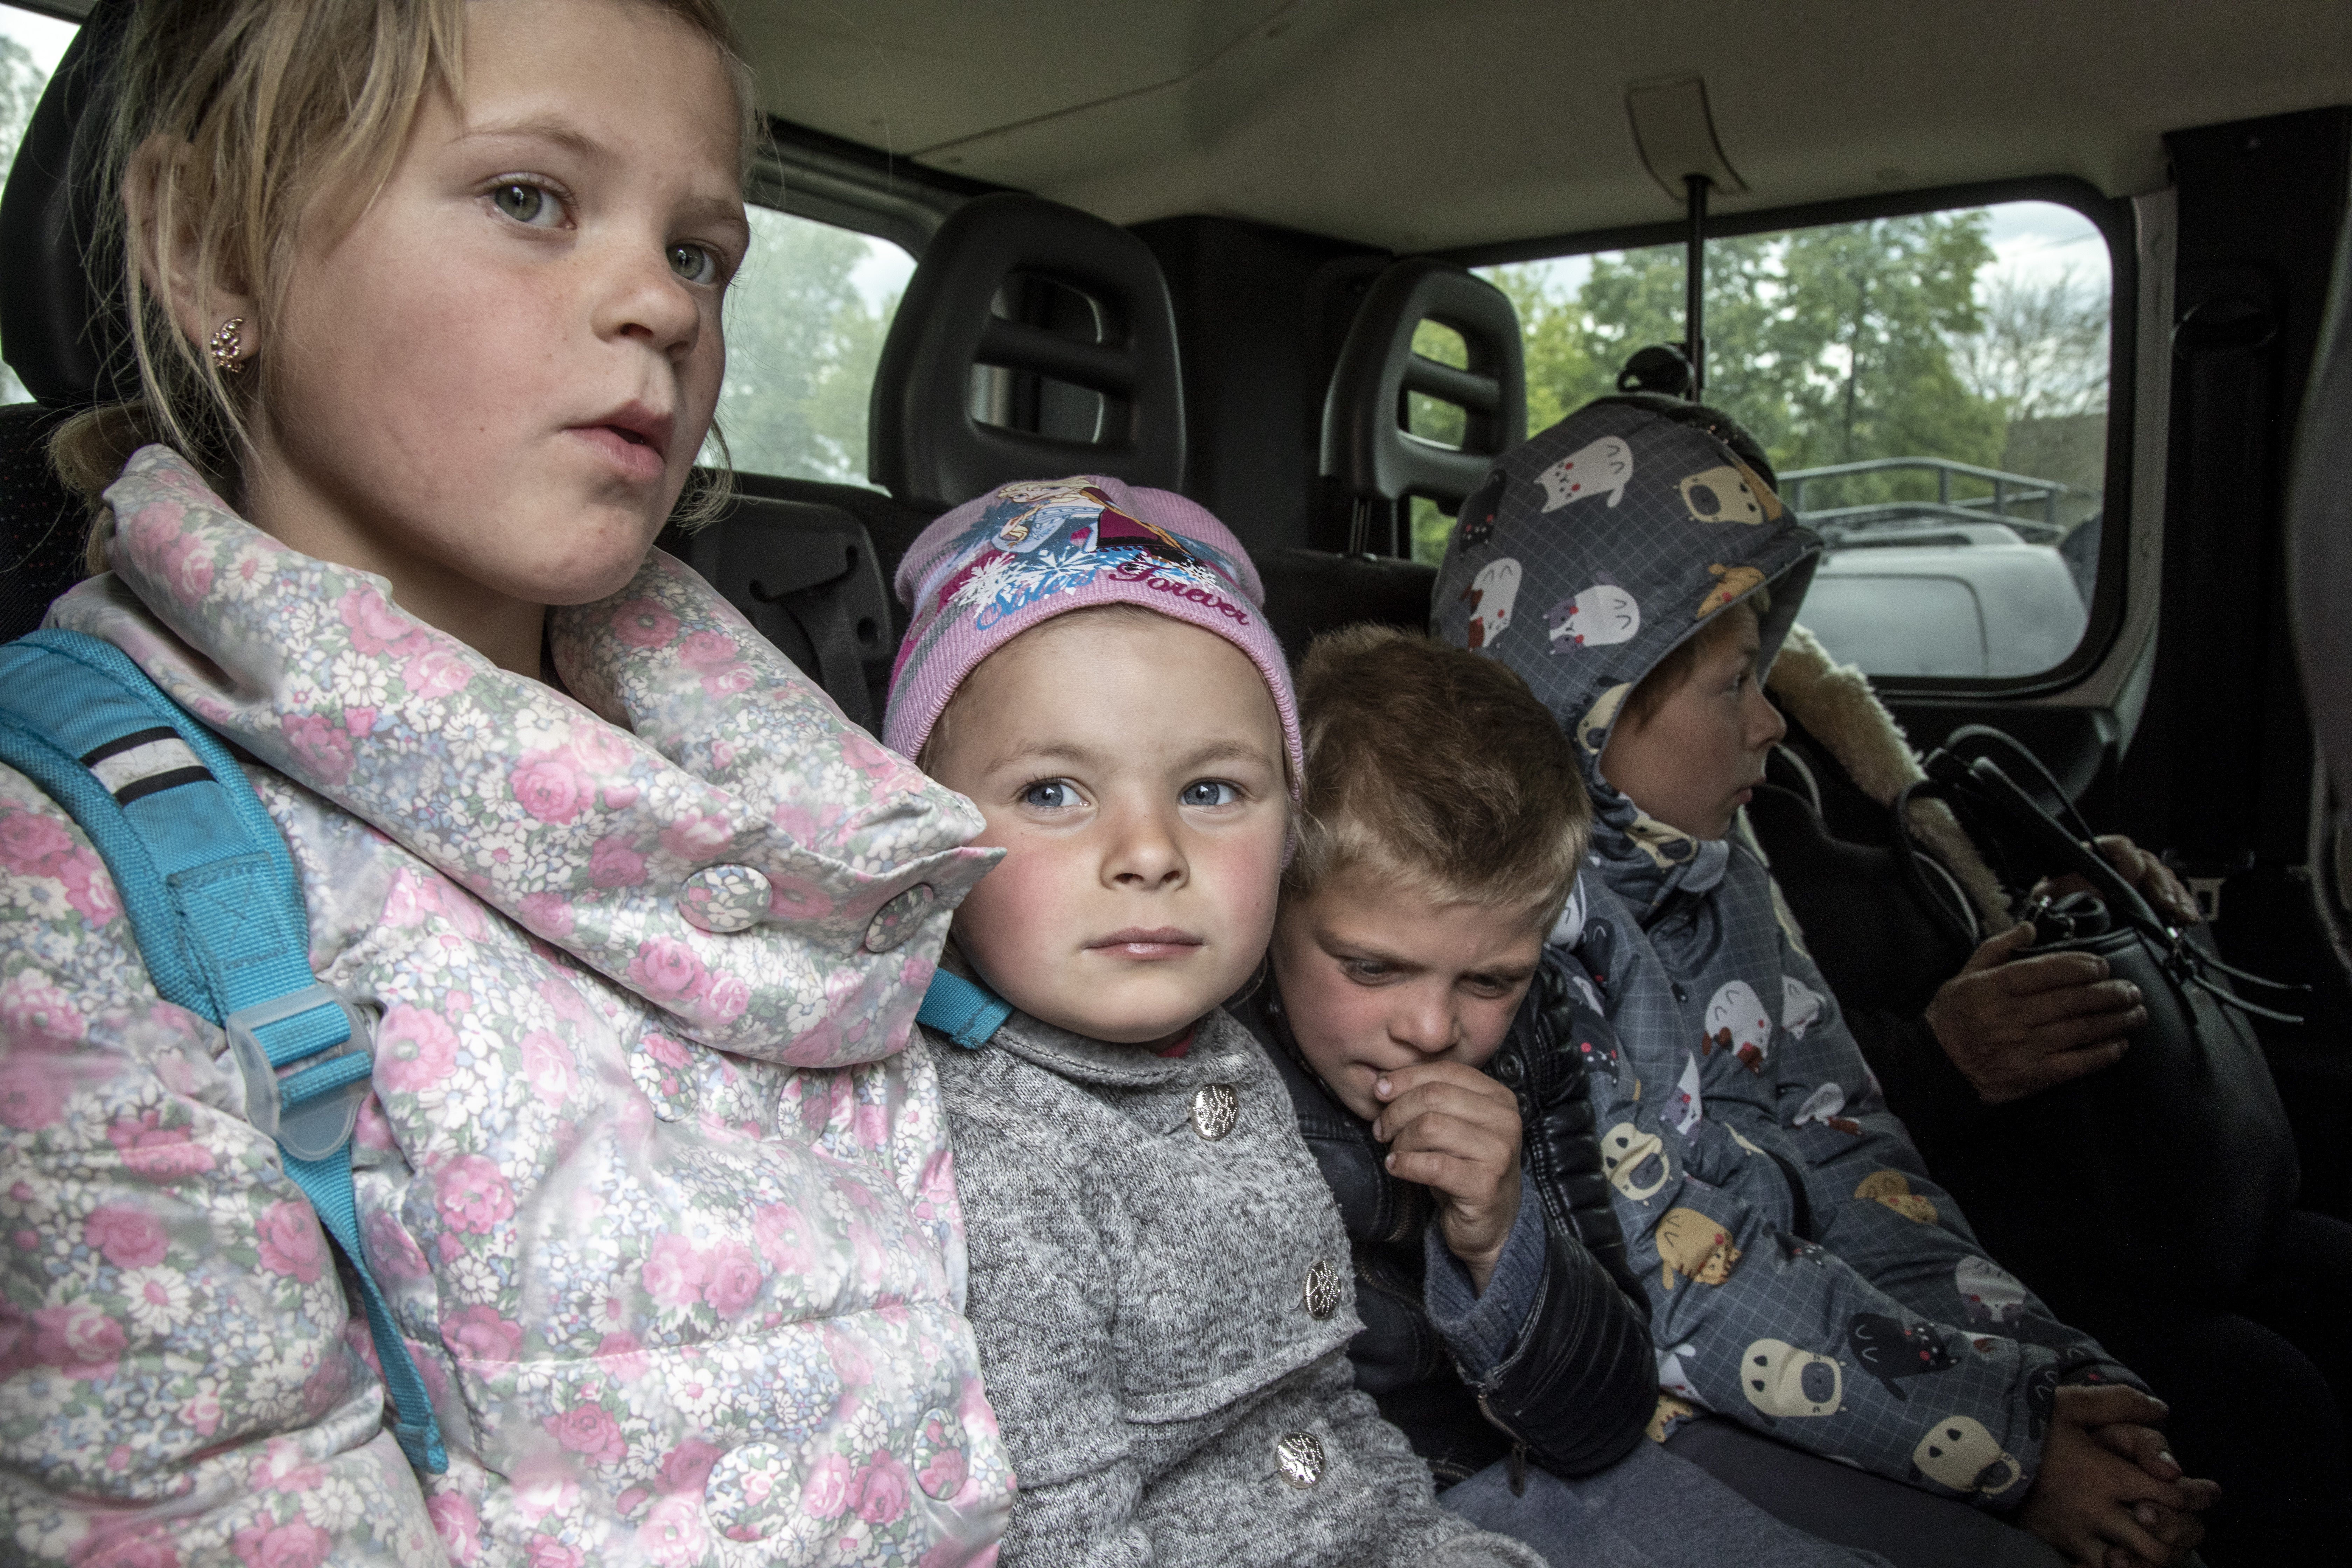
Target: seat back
[
  {"x": 807, "y": 578},
  {"x": 61, "y": 332},
  {"x": 42, "y": 525},
  {"x": 1310, "y": 592},
  {"x": 1018, "y": 253},
  {"x": 1368, "y": 444}
]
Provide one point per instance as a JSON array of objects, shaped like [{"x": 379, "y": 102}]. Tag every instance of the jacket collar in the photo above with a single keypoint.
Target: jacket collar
[
  {"x": 1219, "y": 1046},
  {"x": 700, "y": 826},
  {"x": 1646, "y": 862}
]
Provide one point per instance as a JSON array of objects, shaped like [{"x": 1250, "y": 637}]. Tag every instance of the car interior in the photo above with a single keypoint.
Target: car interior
[{"x": 1276, "y": 254}]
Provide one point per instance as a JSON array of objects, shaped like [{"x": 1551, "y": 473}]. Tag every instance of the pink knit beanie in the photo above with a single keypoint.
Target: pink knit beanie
[{"x": 985, "y": 572}]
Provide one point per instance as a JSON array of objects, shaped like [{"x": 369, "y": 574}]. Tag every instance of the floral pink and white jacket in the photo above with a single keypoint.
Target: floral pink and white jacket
[{"x": 664, "y": 1210}]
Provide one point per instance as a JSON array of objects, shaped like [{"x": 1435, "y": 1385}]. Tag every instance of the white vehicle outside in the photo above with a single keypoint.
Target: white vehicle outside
[{"x": 1968, "y": 588}]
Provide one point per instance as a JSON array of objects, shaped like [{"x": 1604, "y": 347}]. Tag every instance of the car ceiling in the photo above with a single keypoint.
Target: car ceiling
[{"x": 1415, "y": 124}]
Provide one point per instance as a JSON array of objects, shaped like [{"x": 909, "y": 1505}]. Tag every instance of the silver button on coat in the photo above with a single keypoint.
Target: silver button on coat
[
  {"x": 1215, "y": 1109},
  {"x": 1298, "y": 1459},
  {"x": 1323, "y": 1287}
]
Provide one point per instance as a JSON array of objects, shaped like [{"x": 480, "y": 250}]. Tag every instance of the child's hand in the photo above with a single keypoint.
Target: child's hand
[
  {"x": 1456, "y": 1131},
  {"x": 2103, "y": 1497}
]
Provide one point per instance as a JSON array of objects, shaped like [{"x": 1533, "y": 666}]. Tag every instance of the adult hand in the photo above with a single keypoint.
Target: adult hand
[
  {"x": 2145, "y": 1447},
  {"x": 2142, "y": 870},
  {"x": 2091, "y": 1502},
  {"x": 1456, "y": 1131},
  {"x": 2016, "y": 1027}
]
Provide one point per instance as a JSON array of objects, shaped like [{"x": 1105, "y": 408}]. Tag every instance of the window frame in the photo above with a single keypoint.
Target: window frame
[
  {"x": 833, "y": 180},
  {"x": 74, "y": 11},
  {"x": 2111, "y": 215}
]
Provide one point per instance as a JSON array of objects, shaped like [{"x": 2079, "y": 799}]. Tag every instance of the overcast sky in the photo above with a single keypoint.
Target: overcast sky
[{"x": 46, "y": 37}]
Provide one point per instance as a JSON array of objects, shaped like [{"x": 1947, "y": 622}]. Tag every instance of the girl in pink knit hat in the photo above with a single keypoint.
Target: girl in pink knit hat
[{"x": 1158, "y": 1280}]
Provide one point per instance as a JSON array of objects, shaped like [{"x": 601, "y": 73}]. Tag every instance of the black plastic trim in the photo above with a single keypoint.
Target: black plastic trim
[
  {"x": 2114, "y": 218},
  {"x": 814, "y": 175},
  {"x": 75, "y": 12}
]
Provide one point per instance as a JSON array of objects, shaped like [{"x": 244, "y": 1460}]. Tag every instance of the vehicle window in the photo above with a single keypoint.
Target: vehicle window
[
  {"x": 806, "y": 321},
  {"x": 30, "y": 46},
  {"x": 1932, "y": 389}
]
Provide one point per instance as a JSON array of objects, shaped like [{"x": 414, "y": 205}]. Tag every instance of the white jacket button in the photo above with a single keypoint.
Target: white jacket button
[
  {"x": 1215, "y": 1109},
  {"x": 1323, "y": 1289},
  {"x": 1298, "y": 1459},
  {"x": 724, "y": 898},
  {"x": 894, "y": 921}
]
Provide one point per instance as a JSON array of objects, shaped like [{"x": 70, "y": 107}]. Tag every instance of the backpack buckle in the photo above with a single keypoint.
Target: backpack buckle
[{"x": 312, "y": 1109}]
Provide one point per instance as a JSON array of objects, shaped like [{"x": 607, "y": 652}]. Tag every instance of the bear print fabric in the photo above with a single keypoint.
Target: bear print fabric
[
  {"x": 665, "y": 1214},
  {"x": 1805, "y": 1274}
]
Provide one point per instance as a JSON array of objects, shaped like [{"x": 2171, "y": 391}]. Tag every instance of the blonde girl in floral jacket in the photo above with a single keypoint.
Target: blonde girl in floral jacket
[{"x": 426, "y": 299}]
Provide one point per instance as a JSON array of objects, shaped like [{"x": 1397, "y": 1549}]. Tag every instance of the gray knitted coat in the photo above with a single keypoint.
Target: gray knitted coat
[{"x": 1161, "y": 1290}]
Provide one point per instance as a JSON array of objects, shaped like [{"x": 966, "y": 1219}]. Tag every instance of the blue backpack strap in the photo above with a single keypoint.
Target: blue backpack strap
[
  {"x": 964, "y": 1012},
  {"x": 213, "y": 899}
]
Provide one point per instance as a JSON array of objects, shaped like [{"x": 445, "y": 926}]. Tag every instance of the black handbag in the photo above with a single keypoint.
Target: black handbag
[{"x": 2156, "y": 1183}]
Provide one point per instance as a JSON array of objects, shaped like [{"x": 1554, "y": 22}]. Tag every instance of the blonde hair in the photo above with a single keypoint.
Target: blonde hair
[
  {"x": 272, "y": 105},
  {"x": 1432, "y": 768}
]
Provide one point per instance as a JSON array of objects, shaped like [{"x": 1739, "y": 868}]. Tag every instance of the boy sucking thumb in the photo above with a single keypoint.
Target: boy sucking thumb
[{"x": 1455, "y": 1130}]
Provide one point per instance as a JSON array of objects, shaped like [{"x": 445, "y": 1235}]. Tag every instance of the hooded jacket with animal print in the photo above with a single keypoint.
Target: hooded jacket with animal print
[{"x": 1805, "y": 1275}]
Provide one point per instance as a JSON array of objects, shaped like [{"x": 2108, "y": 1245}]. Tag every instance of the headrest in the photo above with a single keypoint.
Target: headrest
[
  {"x": 923, "y": 444},
  {"x": 1365, "y": 445},
  {"x": 61, "y": 334}
]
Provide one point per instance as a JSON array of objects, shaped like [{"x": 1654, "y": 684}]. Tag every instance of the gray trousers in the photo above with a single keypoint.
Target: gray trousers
[{"x": 1649, "y": 1510}]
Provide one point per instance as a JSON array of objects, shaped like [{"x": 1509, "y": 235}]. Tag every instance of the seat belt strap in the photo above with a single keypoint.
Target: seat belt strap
[
  {"x": 214, "y": 904},
  {"x": 964, "y": 1012}
]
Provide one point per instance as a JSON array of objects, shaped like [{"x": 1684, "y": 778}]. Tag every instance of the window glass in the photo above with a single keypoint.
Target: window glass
[
  {"x": 1932, "y": 389},
  {"x": 29, "y": 48},
  {"x": 806, "y": 321},
  {"x": 1434, "y": 419}
]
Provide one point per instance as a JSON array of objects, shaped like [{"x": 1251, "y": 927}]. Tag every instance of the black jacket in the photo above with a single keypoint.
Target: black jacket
[{"x": 1579, "y": 1383}]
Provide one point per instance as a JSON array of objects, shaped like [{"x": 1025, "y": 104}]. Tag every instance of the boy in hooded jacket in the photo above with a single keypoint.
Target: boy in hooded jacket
[
  {"x": 1439, "y": 1062},
  {"x": 1807, "y": 1278}
]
